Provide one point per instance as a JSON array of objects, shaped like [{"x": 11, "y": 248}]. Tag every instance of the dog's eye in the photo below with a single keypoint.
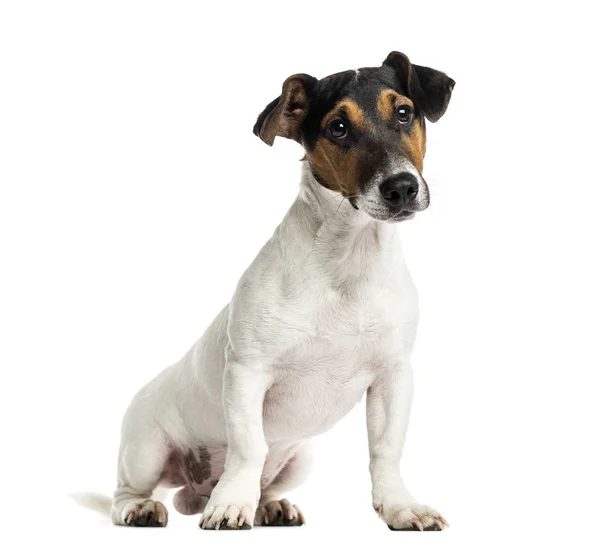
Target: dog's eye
[
  {"x": 338, "y": 129},
  {"x": 405, "y": 114}
]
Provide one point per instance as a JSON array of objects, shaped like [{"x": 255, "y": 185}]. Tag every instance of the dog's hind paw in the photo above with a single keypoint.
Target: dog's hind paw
[
  {"x": 147, "y": 514},
  {"x": 279, "y": 513}
]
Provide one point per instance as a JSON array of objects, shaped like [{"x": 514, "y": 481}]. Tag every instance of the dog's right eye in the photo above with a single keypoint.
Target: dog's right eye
[{"x": 338, "y": 129}]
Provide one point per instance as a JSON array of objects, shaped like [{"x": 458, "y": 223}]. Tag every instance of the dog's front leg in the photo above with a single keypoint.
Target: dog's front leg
[
  {"x": 388, "y": 408},
  {"x": 233, "y": 502}
]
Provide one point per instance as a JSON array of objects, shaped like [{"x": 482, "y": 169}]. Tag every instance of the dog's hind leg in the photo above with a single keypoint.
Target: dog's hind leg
[
  {"x": 188, "y": 502},
  {"x": 142, "y": 459},
  {"x": 273, "y": 510}
]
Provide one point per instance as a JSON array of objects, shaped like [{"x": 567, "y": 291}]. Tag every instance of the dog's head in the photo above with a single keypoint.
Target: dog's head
[{"x": 364, "y": 131}]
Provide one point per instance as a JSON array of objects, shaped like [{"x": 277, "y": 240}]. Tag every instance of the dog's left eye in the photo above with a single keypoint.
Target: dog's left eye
[
  {"x": 405, "y": 114},
  {"x": 338, "y": 129}
]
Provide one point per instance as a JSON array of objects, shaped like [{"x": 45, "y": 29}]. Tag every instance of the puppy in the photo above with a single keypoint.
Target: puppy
[{"x": 326, "y": 312}]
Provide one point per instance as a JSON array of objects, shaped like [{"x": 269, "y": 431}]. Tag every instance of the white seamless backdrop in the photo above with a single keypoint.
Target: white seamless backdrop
[{"x": 134, "y": 194}]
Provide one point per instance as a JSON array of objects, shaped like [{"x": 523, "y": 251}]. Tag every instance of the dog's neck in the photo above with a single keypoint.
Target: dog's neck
[{"x": 347, "y": 244}]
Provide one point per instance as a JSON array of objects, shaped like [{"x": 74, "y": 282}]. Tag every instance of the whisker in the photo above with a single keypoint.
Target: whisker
[{"x": 336, "y": 211}]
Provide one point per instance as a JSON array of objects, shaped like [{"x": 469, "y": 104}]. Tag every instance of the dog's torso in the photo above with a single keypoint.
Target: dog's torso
[{"x": 324, "y": 308}]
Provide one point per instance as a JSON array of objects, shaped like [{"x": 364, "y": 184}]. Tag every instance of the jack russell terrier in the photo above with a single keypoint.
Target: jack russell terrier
[{"x": 326, "y": 312}]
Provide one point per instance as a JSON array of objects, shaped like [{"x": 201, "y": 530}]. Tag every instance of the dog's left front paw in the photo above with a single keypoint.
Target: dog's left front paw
[{"x": 411, "y": 517}]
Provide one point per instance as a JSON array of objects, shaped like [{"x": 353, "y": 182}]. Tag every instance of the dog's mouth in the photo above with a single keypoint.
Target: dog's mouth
[
  {"x": 403, "y": 215},
  {"x": 380, "y": 214}
]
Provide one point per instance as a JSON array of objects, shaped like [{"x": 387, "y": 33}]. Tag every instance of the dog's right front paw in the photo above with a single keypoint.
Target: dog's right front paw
[{"x": 227, "y": 516}]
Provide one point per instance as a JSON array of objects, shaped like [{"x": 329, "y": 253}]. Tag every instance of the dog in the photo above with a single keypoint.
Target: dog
[{"x": 326, "y": 312}]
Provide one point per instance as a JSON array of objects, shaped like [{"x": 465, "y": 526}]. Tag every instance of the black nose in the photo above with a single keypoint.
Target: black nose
[{"x": 399, "y": 190}]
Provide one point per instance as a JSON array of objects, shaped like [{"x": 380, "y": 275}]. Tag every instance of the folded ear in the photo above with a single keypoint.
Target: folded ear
[
  {"x": 284, "y": 116},
  {"x": 430, "y": 89}
]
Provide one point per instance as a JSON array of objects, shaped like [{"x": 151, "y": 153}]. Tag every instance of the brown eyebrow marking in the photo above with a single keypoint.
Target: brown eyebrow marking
[
  {"x": 387, "y": 100},
  {"x": 350, "y": 109}
]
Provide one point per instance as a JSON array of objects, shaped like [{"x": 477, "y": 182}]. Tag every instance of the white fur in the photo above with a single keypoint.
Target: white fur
[{"x": 326, "y": 312}]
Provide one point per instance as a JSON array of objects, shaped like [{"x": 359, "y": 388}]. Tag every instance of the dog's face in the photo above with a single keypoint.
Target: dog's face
[{"x": 364, "y": 131}]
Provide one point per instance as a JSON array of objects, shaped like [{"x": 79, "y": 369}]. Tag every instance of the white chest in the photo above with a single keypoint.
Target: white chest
[{"x": 339, "y": 348}]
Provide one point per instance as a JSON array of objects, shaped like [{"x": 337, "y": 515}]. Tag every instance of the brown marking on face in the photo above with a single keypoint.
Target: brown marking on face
[
  {"x": 347, "y": 108},
  {"x": 197, "y": 468},
  {"x": 413, "y": 144},
  {"x": 388, "y": 100},
  {"x": 413, "y": 139},
  {"x": 336, "y": 168}
]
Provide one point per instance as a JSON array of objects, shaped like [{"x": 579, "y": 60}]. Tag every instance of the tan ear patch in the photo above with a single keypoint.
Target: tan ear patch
[
  {"x": 388, "y": 100},
  {"x": 285, "y": 120}
]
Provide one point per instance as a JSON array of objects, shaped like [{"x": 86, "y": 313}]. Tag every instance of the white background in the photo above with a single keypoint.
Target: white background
[{"x": 134, "y": 194}]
